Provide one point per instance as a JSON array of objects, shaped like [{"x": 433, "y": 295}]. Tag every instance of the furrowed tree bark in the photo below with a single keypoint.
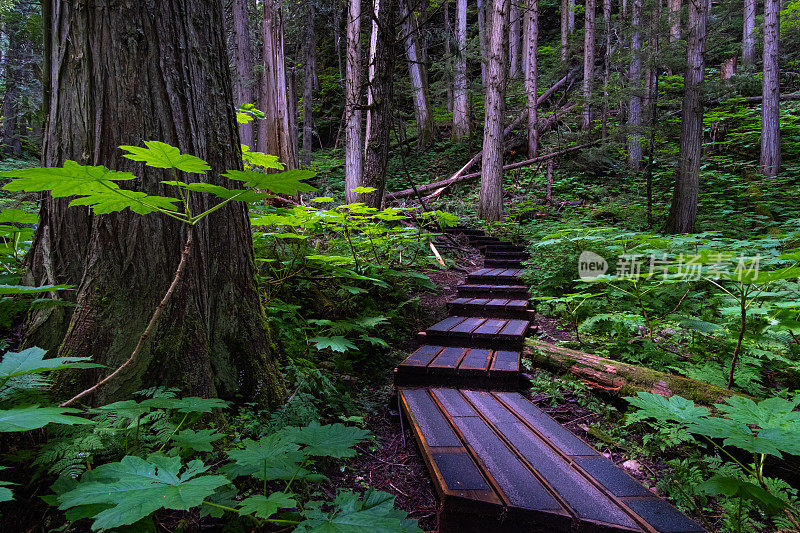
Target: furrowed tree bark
[
  {"x": 683, "y": 210},
  {"x": 243, "y": 62},
  {"x": 448, "y": 52},
  {"x": 309, "y": 71},
  {"x": 460, "y": 102},
  {"x": 515, "y": 23},
  {"x": 354, "y": 159},
  {"x": 748, "y": 35},
  {"x": 674, "y": 19},
  {"x": 491, "y": 196},
  {"x": 376, "y": 151},
  {"x": 606, "y": 66},
  {"x": 211, "y": 339},
  {"x": 771, "y": 91},
  {"x": 564, "y": 14},
  {"x": 275, "y": 134},
  {"x": 532, "y": 74},
  {"x": 621, "y": 379},
  {"x": 14, "y": 76},
  {"x": 419, "y": 77},
  {"x": 635, "y": 86},
  {"x": 482, "y": 38},
  {"x": 588, "y": 63}
]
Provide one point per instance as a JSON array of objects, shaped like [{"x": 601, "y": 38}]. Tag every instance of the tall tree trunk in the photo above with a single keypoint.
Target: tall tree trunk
[
  {"x": 275, "y": 135},
  {"x": 448, "y": 52},
  {"x": 460, "y": 101},
  {"x": 491, "y": 196},
  {"x": 748, "y": 35},
  {"x": 354, "y": 145},
  {"x": 243, "y": 62},
  {"x": 683, "y": 211},
  {"x": 771, "y": 91},
  {"x": 482, "y": 38},
  {"x": 674, "y": 7},
  {"x": 211, "y": 339},
  {"x": 606, "y": 65},
  {"x": 14, "y": 73},
  {"x": 515, "y": 22},
  {"x": 373, "y": 45},
  {"x": 419, "y": 78},
  {"x": 532, "y": 74},
  {"x": 564, "y": 13},
  {"x": 635, "y": 87},
  {"x": 337, "y": 36},
  {"x": 588, "y": 63},
  {"x": 376, "y": 154},
  {"x": 309, "y": 71},
  {"x": 650, "y": 74}
]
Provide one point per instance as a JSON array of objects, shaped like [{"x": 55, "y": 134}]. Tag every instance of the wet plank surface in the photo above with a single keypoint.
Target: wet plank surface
[{"x": 459, "y": 366}]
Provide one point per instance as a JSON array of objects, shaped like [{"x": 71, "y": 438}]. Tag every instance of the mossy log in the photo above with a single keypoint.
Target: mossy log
[{"x": 621, "y": 379}]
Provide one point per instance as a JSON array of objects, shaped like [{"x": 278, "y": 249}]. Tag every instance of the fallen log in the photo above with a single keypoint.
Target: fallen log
[
  {"x": 621, "y": 379},
  {"x": 477, "y": 157},
  {"x": 450, "y": 181}
]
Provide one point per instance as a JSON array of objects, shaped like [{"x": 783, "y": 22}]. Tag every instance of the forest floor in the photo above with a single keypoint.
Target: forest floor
[{"x": 393, "y": 463}]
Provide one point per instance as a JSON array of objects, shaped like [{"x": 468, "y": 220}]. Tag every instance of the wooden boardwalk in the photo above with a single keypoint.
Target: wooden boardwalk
[{"x": 498, "y": 463}]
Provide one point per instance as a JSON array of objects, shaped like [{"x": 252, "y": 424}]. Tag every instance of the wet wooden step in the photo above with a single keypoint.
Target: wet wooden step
[
  {"x": 502, "y": 263},
  {"x": 479, "y": 332},
  {"x": 505, "y": 248},
  {"x": 489, "y": 307},
  {"x": 460, "y": 367},
  {"x": 498, "y": 276},
  {"x": 500, "y": 464},
  {"x": 484, "y": 290},
  {"x": 512, "y": 256}
]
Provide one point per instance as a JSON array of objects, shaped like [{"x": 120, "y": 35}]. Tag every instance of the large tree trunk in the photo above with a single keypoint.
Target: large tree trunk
[
  {"x": 337, "y": 36},
  {"x": 243, "y": 63},
  {"x": 460, "y": 101},
  {"x": 491, "y": 196},
  {"x": 123, "y": 73},
  {"x": 419, "y": 77},
  {"x": 564, "y": 13},
  {"x": 14, "y": 74},
  {"x": 275, "y": 134},
  {"x": 532, "y": 74},
  {"x": 606, "y": 65},
  {"x": 376, "y": 153},
  {"x": 771, "y": 90},
  {"x": 515, "y": 22},
  {"x": 748, "y": 35},
  {"x": 309, "y": 76},
  {"x": 448, "y": 52},
  {"x": 683, "y": 211},
  {"x": 635, "y": 87},
  {"x": 588, "y": 63},
  {"x": 354, "y": 145},
  {"x": 674, "y": 17},
  {"x": 482, "y": 38}
]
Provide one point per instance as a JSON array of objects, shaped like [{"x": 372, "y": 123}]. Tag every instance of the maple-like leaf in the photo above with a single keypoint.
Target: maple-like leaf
[
  {"x": 330, "y": 440},
  {"x": 263, "y": 507},
  {"x": 162, "y": 155}
]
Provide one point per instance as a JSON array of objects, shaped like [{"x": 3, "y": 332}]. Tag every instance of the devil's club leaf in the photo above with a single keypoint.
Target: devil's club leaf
[
  {"x": 111, "y": 201},
  {"x": 734, "y": 487},
  {"x": 199, "y": 441},
  {"x": 162, "y": 155},
  {"x": 17, "y": 216},
  {"x": 70, "y": 180},
  {"x": 24, "y": 289},
  {"x": 190, "y": 404},
  {"x": 35, "y": 417},
  {"x": 374, "y": 513},
  {"x": 134, "y": 488},
  {"x": 675, "y": 408},
  {"x": 335, "y": 440},
  {"x": 336, "y": 343},
  {"x": 288, "y": 182},
  {"x": 32, "y": 361},
  {"x": 264, "y": 507},
  {"x": 271, "y": 457}
]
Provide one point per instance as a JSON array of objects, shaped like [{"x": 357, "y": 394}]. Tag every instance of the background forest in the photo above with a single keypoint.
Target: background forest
[{"x": 221, "y": 222}]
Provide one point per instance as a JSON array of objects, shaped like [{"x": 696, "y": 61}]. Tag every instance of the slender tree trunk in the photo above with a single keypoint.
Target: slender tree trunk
[
  {"x": 419, "y": 81},
  {"x": 211, "y": 339},
  {"x": 683, "y": 211},
  {"x": 460, "y": 101},
  {"x": 275, "y": 135},
  {"x": 354, "y": 145},
  {"x": 771, "y": 91},
  {"x": 337, "y": 36},
  {"x": 515, "y": 22},
  {"x": 674, "y": 7},
  {"x": 373, "y": 45},
  {"x": 13, "y": 78},
  {"x": 588, "y": 63},
  {"x": 243, "y": 61},
  {"x": 491, "y": 197},
  {"x": 635, "y": 82},
  {"x": 482, "y": 38},
  {"x": 606, "y": 65},
  {"x": 376, "y": 153},
  {"x": 650, "y": 75},
  {"x": 309, "y": 71},
  {"x": 532, "y": 74},
  {"x": 448, "y": 52},
  {"x": 748, "y": 35},
  {"x": 564, "y": 13}
]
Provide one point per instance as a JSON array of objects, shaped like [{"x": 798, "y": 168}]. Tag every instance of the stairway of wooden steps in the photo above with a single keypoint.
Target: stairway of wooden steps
[{"x": 498, "y": 463}]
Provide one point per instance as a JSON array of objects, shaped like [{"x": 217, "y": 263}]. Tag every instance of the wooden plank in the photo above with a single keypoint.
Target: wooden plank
[
  {"x": 465, "y": 328},
  {"x": 459, "y": 301},
  {"x": 448, "y": 360},
  {"x": 481, "y": 272},
  {"x": 663, "y": 517},
  {"x": 422, "y": 356},
  {"x": 585, "y": 500},
  {"x": 498, "y": 302},
  {"x": 505, "y": 361},
  {"x": 476, "y": 359},
  {"x": 431, "y": 423},
  {"x": 447, "y": 324},
  {"x": 490, "y": 328},
  {"x": 514, "y": 329},
  {"x": 479, "y": 301}
]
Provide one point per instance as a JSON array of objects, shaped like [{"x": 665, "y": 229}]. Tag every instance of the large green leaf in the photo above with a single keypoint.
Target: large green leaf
[
  {"x": 17, "y": 216},
  {"x": 263, "y": 507},
  {"x": 162, "y": 155},
  {"x": 332, "y": 440},
  {"x": 197, "y": 441},
  {"x": 190, "y": 404},
  {"x": 111, "y": 201},
  {"x": 24, "y": 289},
  {"x": 5, "y": 493},
  {"x": 337, "y": 343},
  {"x": 35, "y": 417},
  {"x": 32, "y": 361},
  {"x": 289, "y": 182},
  {"x": 374, "y": 513},
  {"x": 134, "y": 488},
  {"x": 259, "y": 159},
  {"x": 271, "y": 457},
  {"x": 675, "y": 408},
  {"x": 738, "y": 488},
  {"x": 242, "y": 195}
]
